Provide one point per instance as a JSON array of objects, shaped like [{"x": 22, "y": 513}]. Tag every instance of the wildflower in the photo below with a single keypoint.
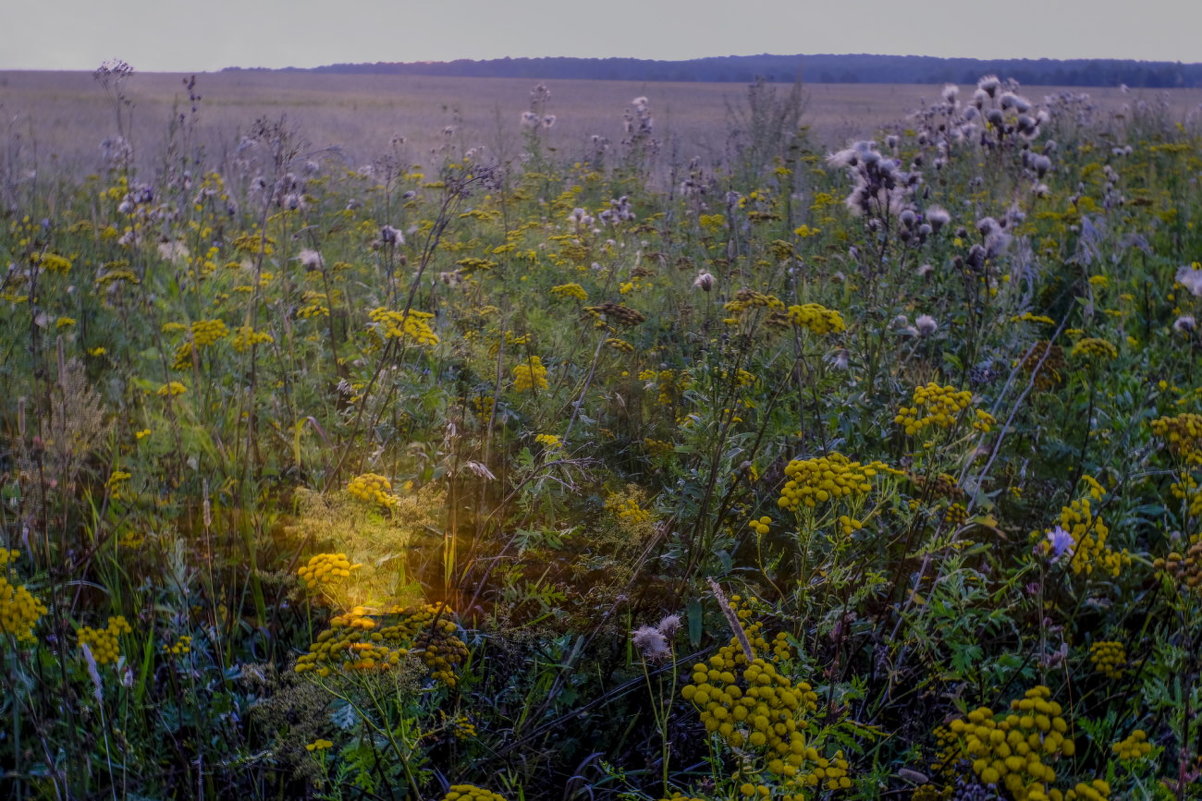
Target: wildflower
[
  {"x": 469, "y": 792},
  {"x": 1185, "y": 324},
  {"x": 990, "y": 743},
  {"x": 391, "y": 236},
  {"x": 411, "y": 325},
  {"x": 651, "y": 643},
  {"x": 372, "y": 488},
  {"x": 826, "y": 478},
  {"x": 530, "y": 376},
  {"x": 310, "y": 259},
  {"x": 669, "y": 625},
  {"x": 938, "y": 217},
  {"x": 103, "y": 643},
  {"x": 549, "y": 441},
  {"x": 1108, "y": 658},
  {"x": 933, "y": 405},
  {"x": 817, "y": 319},
  {"x": 704, "y": 281},
  {"x": 207, "y": 332},
  {"x": 575, "y": 291},
  {"x": 319, "y": 745},
  {"x": 20, "y": 610},
  {"x": 1190, "y": 277},
  {"x": 1094, "y": 349},
  {"x": 1059, "y": 542},
  {"x": 325, "y": 568},
  {"x": 171, "y": 389},
  {"x": 616, "y": 313},
  {"x": 926, "y": 325},
  {"x": 247, "y": 337},
  {"x": 360, "y": 640},
  {"x": 1135, "y": 746},
  {"x": 1090, "y": 551},
  {"x": 53, "y": 262},
  {"x": 181, "y": 646}
]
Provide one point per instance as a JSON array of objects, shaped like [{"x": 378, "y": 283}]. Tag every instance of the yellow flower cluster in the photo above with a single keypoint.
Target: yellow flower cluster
[
  {"x": 254, "y": 244},
  {"x": 955, "y": 515},
  {"x": 530, "y": 376},
  {"x": 1109, "y": 658},
  {"x": 1096, "y": 790},
  {"x": 1094, "y": 349},
  {"x": 825, "y": 478},
  {"x": 400, "y": 325},
  {"x": 933, "y": 405},
  {"x": 761, "y": 526},
  {"x": 626, "y": 507},
  {"x": 171, "y": 389},
  {"x": 1185, "y": 568},
  {"x": 247, "y": 337},
  {"x": 19, "y": 609},
  {"x": 1089, "y": 533},
  {"x": 849, "y": 525},
  {"x": 984, "y": 421},
  {"x": 1009, "y": 749},
  {"x": 470, "y": 792},
  {"x": 319, "y": 745},
  {"x": 182, "y": 360},
  {"x": 180, "y": 647},
  {"x": 363, "y": 640},
  {"x": 620, "y": 345},
  {"x": 103, "y": 642},
  {"x": 575, "y": 291},
  {"x": 756, "y": 710},
  {"x": 1032, "y": 318},
  {"x": 206, "y": 332},
  {"x": 817, "y": 319},
  {"x": 325, "y": 568},
  {"x": 1183, "y": 434},
  {"x": 52, "y": 262},
  {"x": 372, "y": 488},
  {"x": 549, "y": 441},
  {"x": 1136, "y": 746},
  {"x": 748, "y": 299},
  {"x": 461, "y": 728},
  {"x": 1187, "y": 490}
]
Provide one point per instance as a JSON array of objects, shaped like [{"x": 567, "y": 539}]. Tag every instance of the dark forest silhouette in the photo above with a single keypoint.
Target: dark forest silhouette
[{"x": 809, "y": 68}]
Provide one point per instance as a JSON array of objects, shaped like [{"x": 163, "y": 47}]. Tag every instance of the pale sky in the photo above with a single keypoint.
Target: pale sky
[{"x": 204, "y": 35}]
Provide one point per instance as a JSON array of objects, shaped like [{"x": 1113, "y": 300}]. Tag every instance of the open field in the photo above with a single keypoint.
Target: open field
[
  {"x": 553, "y": 470},
  {"x": 355, "y": 118}
]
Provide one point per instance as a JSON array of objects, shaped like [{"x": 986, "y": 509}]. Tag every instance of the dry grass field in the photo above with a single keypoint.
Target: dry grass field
[{"x": 63, "y": 116}]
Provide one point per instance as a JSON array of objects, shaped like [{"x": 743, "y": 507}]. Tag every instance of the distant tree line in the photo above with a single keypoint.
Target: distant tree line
[{"x": 809, "y": 68}]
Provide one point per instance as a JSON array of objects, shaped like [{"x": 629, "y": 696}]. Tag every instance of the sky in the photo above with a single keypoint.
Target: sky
[{"x": 179, "y": 36}]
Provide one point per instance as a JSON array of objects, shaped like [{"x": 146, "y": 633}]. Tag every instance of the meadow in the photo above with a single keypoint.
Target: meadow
[{"x": 598, "y": 441}]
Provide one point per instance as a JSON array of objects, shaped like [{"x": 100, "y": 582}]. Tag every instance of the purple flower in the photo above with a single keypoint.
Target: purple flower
[{"x": 1060, "y": 542}]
